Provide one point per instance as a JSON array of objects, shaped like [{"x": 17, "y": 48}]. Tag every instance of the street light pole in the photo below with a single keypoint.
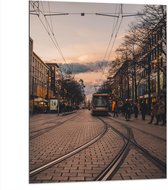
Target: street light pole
[
  {"x": 58, "y": 104},
  {"x": 149, "y": 89},
  {"x": 148, "y": 69},
  {"x": 128, "y": 95},
  {"x": 33, "y": 95},
  {"x": 135, "y": 82},
  {"x": 158, "y": 78}
]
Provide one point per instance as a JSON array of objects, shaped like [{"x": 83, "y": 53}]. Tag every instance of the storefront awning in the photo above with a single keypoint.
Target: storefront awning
[{"x": 40, "y": 100}]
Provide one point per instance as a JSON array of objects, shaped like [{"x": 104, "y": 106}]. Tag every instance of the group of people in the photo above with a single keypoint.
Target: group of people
[{"x": 158, "y": 110}]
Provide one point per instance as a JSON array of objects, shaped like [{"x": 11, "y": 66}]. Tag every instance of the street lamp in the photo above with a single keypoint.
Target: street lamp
[
  {"x": 58, "y": 95},
  {"x": 148, "y": 70}
]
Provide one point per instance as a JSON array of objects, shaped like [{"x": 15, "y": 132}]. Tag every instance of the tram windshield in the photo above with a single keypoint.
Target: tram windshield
[{"x": 100, "y": 101}]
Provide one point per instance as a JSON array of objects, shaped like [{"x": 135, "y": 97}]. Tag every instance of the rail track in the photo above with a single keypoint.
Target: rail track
[
  {"x": 162, "y": 139},
  {"x": 72, "y": 153},
  {"x": 115, "y": 164},
  {"x": 39, "y": 132}
]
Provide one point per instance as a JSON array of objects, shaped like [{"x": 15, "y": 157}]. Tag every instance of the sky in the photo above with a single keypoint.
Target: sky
[{"x": 82, "y": 40}]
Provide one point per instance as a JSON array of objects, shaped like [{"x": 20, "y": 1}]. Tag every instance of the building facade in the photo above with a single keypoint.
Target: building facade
[
  {"x": 39, "y": 82},
  {"x": 55, "y": 78},
  {"x": 145, "y": 75}
]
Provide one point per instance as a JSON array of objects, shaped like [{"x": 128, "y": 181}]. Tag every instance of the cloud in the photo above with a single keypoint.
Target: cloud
[
  {"x": 87, "y": 67},
  {"x": 76, "y": 67},
  {"x": 92, "y": 81},
  {"x": 91, "y": 74}
]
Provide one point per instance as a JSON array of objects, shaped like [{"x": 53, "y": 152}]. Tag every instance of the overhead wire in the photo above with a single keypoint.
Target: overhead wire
[
  {"x": 118, "y": 17},
  {"x": 117, "y": 30},
  {"x": 50, "y": 33},
  {"x": 114, "y": 32},
  {"x": 111, "y": 36},
  {"x": 70, "y": 69},
  {"x": 50, "y": 17}
]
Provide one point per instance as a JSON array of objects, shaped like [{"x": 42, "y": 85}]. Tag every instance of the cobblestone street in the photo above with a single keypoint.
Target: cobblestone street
[{"x": 52, "y": 156}]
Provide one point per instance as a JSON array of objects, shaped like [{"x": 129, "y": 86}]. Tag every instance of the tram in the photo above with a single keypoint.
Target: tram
[{"x": 100, "y": 104}]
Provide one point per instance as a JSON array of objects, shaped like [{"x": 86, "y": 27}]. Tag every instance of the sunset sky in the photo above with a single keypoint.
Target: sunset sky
[{"x": 82, "y": 39}]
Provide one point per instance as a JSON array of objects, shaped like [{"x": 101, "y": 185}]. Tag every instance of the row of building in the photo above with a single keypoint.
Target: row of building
[
  {"x": 45, "y": 81},
  {"x": 144, "y": 76}
]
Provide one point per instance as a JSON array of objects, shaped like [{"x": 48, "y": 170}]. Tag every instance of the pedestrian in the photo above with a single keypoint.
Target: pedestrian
[
  {"x": 116, "y": 109},
  {"x": 161, "y": 112},
  {"x": 143, "y": 108},
  {"x": 63, "y": 107},
  {"x": 113, "y": 106},
  {"x": 154, "y": 110},
  {"x": 136, "y": 111},
  {"x": 121, "y": 108},
  {"x": 127, "y": 110}
]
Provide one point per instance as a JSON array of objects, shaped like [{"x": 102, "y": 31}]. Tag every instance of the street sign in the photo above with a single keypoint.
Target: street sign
[{"x": 53, "y": 104}]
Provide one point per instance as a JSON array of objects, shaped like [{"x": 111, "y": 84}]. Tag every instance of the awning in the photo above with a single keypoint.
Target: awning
[{"x": 40, "y": 100}]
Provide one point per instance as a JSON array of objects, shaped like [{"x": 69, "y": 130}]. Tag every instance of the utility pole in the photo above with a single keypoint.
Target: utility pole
[
  {"x": 149, "y": 88},
  {"x": 128, "y": 93},
  {"x": 58, "y": 104},
  {"x": 134, "y": 74}
]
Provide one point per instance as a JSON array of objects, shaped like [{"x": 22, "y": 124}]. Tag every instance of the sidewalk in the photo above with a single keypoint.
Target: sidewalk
[
  {"x": 39, "y": 115},
  {"x": 39, "y": 121},
  {"x": 157, "y": 130}
]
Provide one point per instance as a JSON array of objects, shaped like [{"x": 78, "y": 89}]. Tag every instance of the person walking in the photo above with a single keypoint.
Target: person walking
[
  {"x": 116, "y": 109},
  {"x": 127, "y": 110},
  {"x": 154, "y": 110},
  {"x": 113, "y": 106},
  {"x": 136, "y": 111},
  {"x": 161, "y": 112},
  {"x": 143, "y": 109}
]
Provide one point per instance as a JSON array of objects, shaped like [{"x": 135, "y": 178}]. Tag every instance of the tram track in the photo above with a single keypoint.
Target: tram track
[
  {"x": 147, "y": 133},
  {"x": 39, "y": 132},
  {"x": 70, "y": 154},
  {"x": 147, "y": 138},
  {"x": 116, "y": 163},
  {"x": 111, "y": 169}
]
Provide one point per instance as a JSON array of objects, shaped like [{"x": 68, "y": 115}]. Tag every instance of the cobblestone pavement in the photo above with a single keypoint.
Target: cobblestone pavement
[
  {"x": 136, "y": 166},
  {"x": 149, "y": 136},
  {"x": 158, "y": 130},
  {"x": 63, "y": 139},
  {"x": 90, "y": 162},
  {"x": 86, "y": 165},
  {"x": 41, "y": 121}
]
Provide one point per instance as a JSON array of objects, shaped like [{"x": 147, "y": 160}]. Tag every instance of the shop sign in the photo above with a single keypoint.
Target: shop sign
[
  {"x": 53, "y": 104},
  {"x": 146, "y": 96}
]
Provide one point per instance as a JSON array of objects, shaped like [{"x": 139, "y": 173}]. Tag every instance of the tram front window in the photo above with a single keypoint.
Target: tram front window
[{"x": 100, "y": 102}]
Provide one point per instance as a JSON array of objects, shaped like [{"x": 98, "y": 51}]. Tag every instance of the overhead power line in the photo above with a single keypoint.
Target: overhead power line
[
  {"x": 55, "y": 14},
  {"x": 110, "y": 15},
  {"x": 118, "y": 25},
  {"x": 116, "y": 28},
  {"x": 50, "y": 32}
]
